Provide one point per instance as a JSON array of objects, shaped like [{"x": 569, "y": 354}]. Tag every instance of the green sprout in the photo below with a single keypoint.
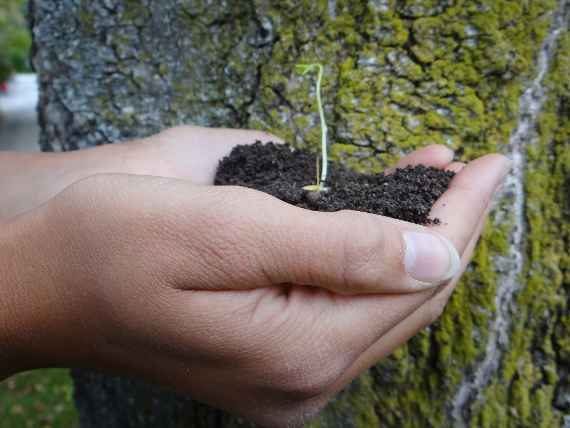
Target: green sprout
[{"x": 322, "y": 177}]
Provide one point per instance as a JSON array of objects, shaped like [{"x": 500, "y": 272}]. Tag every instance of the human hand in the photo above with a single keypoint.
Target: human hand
[
  {"x": 247, "y": 303},
  {"x": 27, "y": 180}
]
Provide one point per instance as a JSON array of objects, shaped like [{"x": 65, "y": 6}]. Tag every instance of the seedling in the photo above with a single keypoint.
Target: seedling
[{"x": 320, "y": 185}]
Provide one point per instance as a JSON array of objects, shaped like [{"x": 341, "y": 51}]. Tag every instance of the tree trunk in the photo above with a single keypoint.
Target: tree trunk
[{"x": 477, "y": 75}]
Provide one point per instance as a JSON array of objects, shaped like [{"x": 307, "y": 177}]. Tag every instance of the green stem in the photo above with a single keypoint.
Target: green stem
[{"x": 324, "y": 131}]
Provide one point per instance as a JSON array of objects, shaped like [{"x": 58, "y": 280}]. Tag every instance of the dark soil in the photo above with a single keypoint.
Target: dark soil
[{"x": 407, "y": 194}]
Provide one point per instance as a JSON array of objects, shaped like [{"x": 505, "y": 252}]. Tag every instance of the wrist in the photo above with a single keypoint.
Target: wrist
[
  {"x": 28, "y": 180},
  {"x": 41, "y": 317}
]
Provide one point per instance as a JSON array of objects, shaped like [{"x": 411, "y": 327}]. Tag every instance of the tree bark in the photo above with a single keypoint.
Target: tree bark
[{"x": 477, "y": 75}]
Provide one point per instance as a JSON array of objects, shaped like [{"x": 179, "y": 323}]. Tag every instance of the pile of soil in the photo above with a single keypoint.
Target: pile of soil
[{"x": 406, "y": 194}]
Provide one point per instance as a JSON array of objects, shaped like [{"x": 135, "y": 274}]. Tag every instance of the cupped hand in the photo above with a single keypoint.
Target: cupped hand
[{"x": 243, "y": 301}]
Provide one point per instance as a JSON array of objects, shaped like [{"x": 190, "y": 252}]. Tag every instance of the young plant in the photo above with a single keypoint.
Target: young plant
[{"x": 322, "y": 177}]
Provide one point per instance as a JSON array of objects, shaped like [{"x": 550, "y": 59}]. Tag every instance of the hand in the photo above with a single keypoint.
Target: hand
[
  {"x": 249, "y": 304},
  {"x": 28, "y": 180}
]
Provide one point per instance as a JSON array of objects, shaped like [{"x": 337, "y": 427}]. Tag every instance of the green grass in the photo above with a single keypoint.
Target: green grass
[{"x": 38, "y": 399}]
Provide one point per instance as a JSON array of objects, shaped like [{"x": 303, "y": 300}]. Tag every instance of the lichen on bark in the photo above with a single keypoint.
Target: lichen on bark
[{"x": 401, "y": 74}]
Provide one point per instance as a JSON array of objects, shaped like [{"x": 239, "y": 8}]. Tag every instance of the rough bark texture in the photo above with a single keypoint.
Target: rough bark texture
[{"x": 477, "y": 75}]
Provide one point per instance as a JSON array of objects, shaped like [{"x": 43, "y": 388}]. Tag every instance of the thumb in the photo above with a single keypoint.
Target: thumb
[{"x": 348, "y": 252}]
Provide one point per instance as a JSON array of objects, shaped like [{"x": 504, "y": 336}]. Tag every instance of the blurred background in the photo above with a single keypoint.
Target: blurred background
[
  {"x": 18, "y": 87},
  {"x": 42, "y": 398}
]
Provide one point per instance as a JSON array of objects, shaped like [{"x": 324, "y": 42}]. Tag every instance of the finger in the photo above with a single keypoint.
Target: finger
[
  {"x": 463, "y": 204},
  {"x": 435, "y": 155},
  {"x": 442, "y": 295},
  {"x": 260, "y": 240},
  {"x": 202, "y": 149},
  {"x": 425, "y": 314},
  {"x": 355, "y": 323},
  {"x": 415, "y": 321}
]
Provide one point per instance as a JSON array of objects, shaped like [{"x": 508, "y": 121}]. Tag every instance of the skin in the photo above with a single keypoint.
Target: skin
[{"x": 124, "y": 258}]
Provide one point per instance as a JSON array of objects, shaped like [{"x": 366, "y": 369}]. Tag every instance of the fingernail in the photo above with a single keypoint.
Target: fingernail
[{"x": 430, "y": 258}]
